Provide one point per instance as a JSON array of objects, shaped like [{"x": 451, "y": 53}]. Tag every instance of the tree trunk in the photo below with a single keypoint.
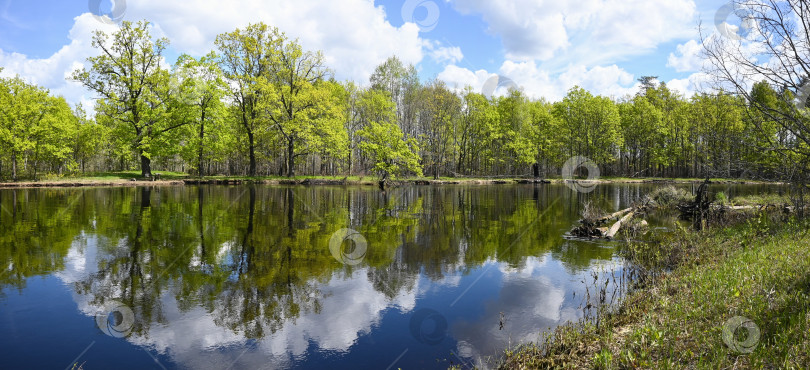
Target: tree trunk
[
  {"x": 146, "y": 166},
  {"x": 14, "y": 166},
  {"x": 252, "y": 169},
  {"x": 202, "y": 135},
  {"x": 291, "y": 158}
]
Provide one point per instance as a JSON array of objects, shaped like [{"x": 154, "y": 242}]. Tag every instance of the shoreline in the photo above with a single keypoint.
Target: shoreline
[{"x": 325, "y": 181}]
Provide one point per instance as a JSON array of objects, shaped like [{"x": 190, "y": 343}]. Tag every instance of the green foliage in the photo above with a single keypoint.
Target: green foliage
[
  {"x": 438, "y": 125},
  {"x": 590, "y": 125},
  {"x": 198, "y": 90},
  {"x": 721, "y": 198},
  {"x": 133, "y": 89},
  {"x": 383, "y": 141},
  {"x": 34, "y": 127}
]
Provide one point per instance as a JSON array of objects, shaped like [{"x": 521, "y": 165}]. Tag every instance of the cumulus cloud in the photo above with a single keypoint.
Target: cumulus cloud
[
  {"x": 688, "y": 58},
  {"x": 543, "y": 29},
  {"x": 691, "y": 85},
  {"x": 538, "y": 83},
  {"x": 52, "y": 72},
  {"x": 443, "y": 54},
  {"x": 551, "y": 46},
  {"x": 354, "y": 35}
]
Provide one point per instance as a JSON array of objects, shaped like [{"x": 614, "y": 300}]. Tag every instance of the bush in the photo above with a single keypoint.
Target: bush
[{"x": 667, "y": 196}]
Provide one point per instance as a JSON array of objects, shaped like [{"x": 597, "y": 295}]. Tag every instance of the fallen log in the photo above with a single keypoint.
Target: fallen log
[
  {"x": 618, "y": 225},
  {"x": 615, "y": 215}
]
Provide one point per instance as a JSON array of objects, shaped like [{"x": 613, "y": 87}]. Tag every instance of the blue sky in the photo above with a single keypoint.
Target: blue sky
[{"x": 545, "y": 46}]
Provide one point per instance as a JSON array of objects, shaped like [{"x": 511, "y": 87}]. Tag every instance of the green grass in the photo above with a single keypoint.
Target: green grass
[
  {"x": 113, "y": 176},
  {"x": 760, "y": 199},
  {"x": 759, "y": 270}
]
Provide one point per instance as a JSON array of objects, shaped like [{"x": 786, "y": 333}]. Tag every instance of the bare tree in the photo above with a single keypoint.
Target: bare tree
[{"x": 770, "y": 46}]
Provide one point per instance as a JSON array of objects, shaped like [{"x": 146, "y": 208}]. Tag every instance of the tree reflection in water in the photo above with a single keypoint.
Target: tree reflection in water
[{"x": 252, "y": 263}]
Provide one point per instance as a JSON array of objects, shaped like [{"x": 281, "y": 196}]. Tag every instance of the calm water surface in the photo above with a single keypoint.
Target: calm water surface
[{"x": 244, "y": 277}]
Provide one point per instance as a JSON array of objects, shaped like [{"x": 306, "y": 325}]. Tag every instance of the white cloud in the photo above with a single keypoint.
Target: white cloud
[
  {"x": 695, "y": 83},
  {"x": 690, "y": 58},
  {"x": 538, "y": 83},
  {"x": 530, "y": 29},
  {"x": 52, "y": 72},
  {"x": 443, "y": 54},
  {"x": 541, "y": 30},
  {"x": 354, "y": 35}
]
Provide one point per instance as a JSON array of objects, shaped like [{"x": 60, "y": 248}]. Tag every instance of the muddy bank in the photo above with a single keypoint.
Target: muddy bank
[{"x": 343, "y": 182}]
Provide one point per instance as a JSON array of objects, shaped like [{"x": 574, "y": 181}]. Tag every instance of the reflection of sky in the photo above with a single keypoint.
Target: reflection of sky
[
  {"x": 532, "y": 298},
  {"x": 528, "y": 301},
  {"x": 351, "y": 308}
]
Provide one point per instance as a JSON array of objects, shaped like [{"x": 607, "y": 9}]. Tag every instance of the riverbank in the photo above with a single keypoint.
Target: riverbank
[
  {"x": 132, "y": 178},
  {"x": 754, "y": 275}
]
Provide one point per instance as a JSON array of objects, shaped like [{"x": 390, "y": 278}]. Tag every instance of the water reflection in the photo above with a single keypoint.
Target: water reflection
[{"x": 243, "y": 276}]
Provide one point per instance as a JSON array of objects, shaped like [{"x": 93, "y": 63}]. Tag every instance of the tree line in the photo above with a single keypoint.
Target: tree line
[{"x": 262, "y": 105}]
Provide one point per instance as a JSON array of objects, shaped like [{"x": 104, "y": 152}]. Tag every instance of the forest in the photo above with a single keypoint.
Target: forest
[{"x": 261, "y": 105}]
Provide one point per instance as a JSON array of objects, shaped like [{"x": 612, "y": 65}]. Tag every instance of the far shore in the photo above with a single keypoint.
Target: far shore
[{"x": 127, "y": 179}]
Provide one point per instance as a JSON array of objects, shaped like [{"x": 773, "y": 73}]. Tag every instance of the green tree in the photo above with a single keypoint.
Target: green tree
[
  {"x": 89, "y": 137},
  {"x": 720, "y": 121},
  {"x": 302, "y": 107},
  {"x": 441, "y": 109},
  {"x": 133, "y": 87},
  {"x": 402, "y": 84},
  {"x": 199, "y": 88},
  {"x": 543, "y": 134},
  {"x": 590, "y": 125},
  {"x": 246, "y": 56},
  {"x": 383, "y": 141},
  {"x": 34, "y": 126},
  {"x": 640, "y": 121},
  {"x": 518, "y": 133}
]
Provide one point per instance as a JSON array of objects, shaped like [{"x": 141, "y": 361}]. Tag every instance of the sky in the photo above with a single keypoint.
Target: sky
[{"x": 545, "y": 46}]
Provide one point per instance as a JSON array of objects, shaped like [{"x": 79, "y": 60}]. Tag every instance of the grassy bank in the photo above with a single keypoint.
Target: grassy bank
[
  {"x": 758, "y": 269},
  {"x": 173, "y": 178}
]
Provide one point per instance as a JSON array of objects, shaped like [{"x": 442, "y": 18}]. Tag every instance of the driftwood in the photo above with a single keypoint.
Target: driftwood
[
  {"x": 618, "y": 225},
  {"x": 615, "y": 215},
  {"x": 590, "y": 228},
  {"x": 597, "y": 229}
]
